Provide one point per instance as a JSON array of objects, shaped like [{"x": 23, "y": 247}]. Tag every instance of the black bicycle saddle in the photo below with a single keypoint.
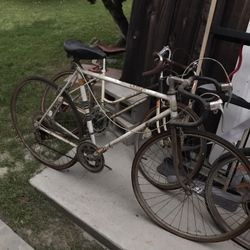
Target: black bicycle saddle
[{"x": 78, "y": 50}]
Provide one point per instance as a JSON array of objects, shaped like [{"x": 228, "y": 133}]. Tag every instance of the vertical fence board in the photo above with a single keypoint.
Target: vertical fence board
[
  {"x": 230, "y": 14},
  {"x": 181, "y": 24}
]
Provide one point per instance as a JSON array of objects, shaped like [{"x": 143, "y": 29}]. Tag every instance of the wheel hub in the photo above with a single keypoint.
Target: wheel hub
[{"x": 39, "y": 134}]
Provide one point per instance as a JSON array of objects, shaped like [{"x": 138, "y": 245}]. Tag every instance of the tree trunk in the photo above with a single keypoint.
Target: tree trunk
[{"x": 115, "y": 9}]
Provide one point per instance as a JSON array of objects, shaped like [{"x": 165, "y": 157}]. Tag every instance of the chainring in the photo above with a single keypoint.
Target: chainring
[{"x": 89, "y": 158}]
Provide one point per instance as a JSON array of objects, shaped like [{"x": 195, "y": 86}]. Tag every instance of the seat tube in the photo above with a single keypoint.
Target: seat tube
[
  {"x": 87, "y": 113},
  {"x": 103, "y": 81},
  {"x": 172, "y": 99}
]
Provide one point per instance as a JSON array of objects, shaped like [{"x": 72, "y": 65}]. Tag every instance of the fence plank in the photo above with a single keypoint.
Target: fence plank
[{"x": 181, "y": 24}]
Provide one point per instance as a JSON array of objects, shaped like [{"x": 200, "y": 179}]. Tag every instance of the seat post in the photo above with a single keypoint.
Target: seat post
[{"x": 103, "y": 81}]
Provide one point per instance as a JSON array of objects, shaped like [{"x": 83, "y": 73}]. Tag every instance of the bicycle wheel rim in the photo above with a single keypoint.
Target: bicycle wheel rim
[
  {"x": 26, "y": 110},
  {"x": 230, "y": 205},
  {"x": 175, "y": 211},
  {"x": 244, "y": 238},
  {"x": 154, "y": 173},
  {"x": 142, "y": 137},
  {"x": 59, "y": 80}
]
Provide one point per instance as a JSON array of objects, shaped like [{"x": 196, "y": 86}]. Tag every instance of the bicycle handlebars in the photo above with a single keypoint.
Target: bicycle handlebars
[
  {"x": 161, "y": 65},
  {"x": 163, "y": 52},
  {"x": 157, "y": 69},
  {"x": 204, "y": 80},
  {"x": 205, "y": 105}
]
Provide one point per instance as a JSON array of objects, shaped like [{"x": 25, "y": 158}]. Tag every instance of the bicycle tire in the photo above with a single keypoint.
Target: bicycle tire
[
  {"x": 221, "y": 164},
  {"x": 73, "y": 91},
  {"x": 59, "y": 80},
  {"x": 26, "y": 110},
  {"x": 142, "y": 137},
  {"x": 166, "y": 178},
  {"x": 177, "y": 211}
]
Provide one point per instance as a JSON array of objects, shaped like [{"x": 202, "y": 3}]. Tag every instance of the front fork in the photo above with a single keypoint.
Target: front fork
[
  {"x": 177, "y": 141},
  {"x": 177, "y": 144}
]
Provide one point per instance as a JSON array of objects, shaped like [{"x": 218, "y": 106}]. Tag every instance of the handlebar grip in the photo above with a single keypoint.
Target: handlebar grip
[
  {"x": 158, "y": 68},
  {"x": 204, "y": 105},
  {"x": 209, "y": 80},
  {"x": 179, "y": 65},
  {"x": 161, "y": 66}
]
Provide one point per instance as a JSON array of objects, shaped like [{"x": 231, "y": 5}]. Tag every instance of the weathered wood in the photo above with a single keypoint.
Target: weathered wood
[
  {"x": 155, "y": 23},
  {"x": 230, "y": 14},
  {"x": 180, "y": 24},
  {"x": 188, "y": 25},
  {"x": 137, "y": 40}
]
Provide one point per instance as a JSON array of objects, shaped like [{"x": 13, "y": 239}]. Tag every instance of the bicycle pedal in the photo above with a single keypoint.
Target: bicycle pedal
[{"x": 108, "y": 167}]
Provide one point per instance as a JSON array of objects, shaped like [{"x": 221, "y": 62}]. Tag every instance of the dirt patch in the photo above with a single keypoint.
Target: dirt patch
[
  {"x": 18, "y": 166},
  {"x": 60, "y": 234},
  {"x": 3, "y": 171},
  {"x": 5, "y": 156}
]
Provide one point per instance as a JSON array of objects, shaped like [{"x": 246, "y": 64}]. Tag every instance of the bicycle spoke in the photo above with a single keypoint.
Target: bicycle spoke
[{"x": 181, "y": 208}]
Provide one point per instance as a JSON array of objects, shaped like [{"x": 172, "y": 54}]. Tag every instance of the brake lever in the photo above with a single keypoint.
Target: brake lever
[
  {"x": 228, "y": 87},
  {"x": 164, "y": 50},
  {"x": 216, "y": 106}
]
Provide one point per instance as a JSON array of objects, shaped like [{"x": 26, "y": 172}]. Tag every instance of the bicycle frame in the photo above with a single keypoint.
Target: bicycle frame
[
  {"x": 81, "y": 74},
  {"x": 86, "y": 77},
  {"x": 171, "y": 99}
]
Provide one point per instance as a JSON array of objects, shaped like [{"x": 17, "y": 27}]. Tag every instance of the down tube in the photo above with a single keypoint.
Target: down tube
[{"x": 136, "y": 129}]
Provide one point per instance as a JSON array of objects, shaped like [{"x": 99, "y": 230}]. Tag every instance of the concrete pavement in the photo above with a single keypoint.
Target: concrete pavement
[
  {"x": 9, "y": 240},
  {"x": 104, "y": 204}
]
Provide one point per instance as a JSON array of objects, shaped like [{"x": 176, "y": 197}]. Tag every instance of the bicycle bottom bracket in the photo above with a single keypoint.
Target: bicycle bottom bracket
[{"x": 89, "y": 158}]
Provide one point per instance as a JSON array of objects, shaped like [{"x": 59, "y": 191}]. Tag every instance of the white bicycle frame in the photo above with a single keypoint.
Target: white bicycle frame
[{"x": 83, "y": 90}]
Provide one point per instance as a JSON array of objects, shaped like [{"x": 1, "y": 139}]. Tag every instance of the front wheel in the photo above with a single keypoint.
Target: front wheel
[
  {"x": 184, "y": 114},
  {"x": 180, "y": 210}
]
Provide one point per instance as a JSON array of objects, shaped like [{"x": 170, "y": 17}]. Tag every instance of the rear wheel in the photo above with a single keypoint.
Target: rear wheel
[
  {"x": 73, "y": 90},
  {"x": 230, "y": 205},
  {"x": 53, "y": 141},
  {"x": 60, "y": 80}
]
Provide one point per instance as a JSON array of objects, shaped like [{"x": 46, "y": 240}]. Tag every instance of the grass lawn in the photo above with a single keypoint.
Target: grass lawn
[{"x": 31, "y": 42}]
